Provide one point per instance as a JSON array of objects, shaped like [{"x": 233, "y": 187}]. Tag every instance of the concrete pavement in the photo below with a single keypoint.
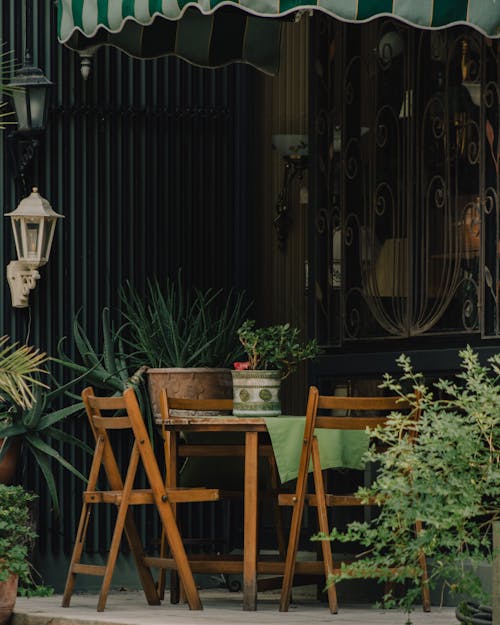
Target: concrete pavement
[{"x": 220, "y": 607}]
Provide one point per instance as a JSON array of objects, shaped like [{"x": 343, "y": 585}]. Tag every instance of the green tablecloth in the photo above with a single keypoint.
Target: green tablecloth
[{"x": 337, "y": 448}]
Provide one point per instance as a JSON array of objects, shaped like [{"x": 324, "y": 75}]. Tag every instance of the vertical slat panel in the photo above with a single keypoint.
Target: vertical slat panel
[
  {"x": 140, "y": 160},
  {"x": 278, "y": 278}
]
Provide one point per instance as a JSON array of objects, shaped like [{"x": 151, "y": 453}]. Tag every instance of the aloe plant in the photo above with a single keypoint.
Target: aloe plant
[
  {"x": 36, "y": 427},
  {"x": 108, "y": 369}
]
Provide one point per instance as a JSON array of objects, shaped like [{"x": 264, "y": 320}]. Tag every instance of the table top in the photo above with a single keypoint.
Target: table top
[{"x": 338, "y": 448}]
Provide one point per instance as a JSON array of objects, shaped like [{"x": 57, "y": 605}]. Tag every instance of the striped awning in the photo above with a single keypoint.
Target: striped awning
[{"x": 215, "y": 32}]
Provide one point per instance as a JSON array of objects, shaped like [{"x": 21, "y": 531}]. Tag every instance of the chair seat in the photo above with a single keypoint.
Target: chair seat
[{"x": 144, "y": 496}]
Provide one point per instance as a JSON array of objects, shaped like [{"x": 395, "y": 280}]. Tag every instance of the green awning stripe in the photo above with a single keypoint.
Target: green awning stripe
[
  {"x": 223, "y": 37},
  {"x": 371, "y": 8},
  {"x": 88, "y": 16},
  {"x": 450, "y": 12}
]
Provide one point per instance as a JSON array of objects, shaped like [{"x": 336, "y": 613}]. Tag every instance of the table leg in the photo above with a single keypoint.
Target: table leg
[
  {"x": 171, "y": 439},
  {"x": 250, "y": 522}
]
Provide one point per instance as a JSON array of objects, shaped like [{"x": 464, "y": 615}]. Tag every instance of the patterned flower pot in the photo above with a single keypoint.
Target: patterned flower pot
[{"x": 256, "y": 393}]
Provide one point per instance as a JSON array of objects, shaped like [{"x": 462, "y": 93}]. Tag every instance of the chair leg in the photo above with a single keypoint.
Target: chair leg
[
  {"x": 277, "y": 512},
  {"x": 147, "y": 581},
  {"x": 179, "y": 554},
  {"x": 83, "y": 524},
  {"x": 323, "y": 527},
  {"x": 77, "y": 554},
  {"x": 125, "y": 521}
]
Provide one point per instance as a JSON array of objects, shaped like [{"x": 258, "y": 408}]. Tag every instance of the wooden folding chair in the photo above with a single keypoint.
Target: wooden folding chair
[
  {"x": 209, "y": 407},
  {"x": 127, "y": 417},
  {"x": 370, "y": 407}
]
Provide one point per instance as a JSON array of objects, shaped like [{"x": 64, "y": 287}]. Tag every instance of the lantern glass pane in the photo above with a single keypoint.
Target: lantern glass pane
[
  {"x": 37, "y": 97},
  {"x": 21, "y": 106},
  {"x": 32, "y": 233},
  {"x": 47, "y": 237},
  {"x": 16, "y": 227}
]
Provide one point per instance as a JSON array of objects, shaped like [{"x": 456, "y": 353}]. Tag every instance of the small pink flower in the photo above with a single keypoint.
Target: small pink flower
[{"x": 241, "y": 366}]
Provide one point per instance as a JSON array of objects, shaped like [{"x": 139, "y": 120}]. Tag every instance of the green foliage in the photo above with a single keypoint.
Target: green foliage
[
  {"x": 16, "y": 532},
  {"x": 18, "y": 365},
  {"x": 108, "y": 368},
  {"x": 17, "y": 536},
  {"x": 174, "y": 327},
  {"x": 275, "y": 347},
  {"x": 36, "y": 426},
  {"x": 448, "y": 477},
  {"x": 6, "y": 63}
]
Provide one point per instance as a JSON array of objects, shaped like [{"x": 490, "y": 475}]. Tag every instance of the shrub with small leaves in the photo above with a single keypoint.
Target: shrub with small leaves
[
  {"x": 16, "y": 532},
  {"x": 447, "y": 478}
]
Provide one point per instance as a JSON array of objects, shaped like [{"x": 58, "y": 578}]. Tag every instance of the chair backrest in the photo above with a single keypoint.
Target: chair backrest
[
  {"x": 367, "y": 410},
  {"x": 95, "y": 406},
  {"x": 207, "y": 406},
  {"x": 129, "y": 417}
]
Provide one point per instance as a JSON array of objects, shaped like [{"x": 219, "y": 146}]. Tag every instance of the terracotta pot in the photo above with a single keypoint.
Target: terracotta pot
[
  {"x": 8, "y": 594},
  {"x": 8, "y": 464},
  {"x": 194, "y": 383}
]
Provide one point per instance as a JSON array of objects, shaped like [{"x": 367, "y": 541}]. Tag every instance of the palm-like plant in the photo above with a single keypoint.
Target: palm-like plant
[
  {"x": 6, "y": 117},
  {"x": 18, "y": 366}
]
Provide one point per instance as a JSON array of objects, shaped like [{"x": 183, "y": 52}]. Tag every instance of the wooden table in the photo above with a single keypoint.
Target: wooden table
[{"x": 252, "y": 427}]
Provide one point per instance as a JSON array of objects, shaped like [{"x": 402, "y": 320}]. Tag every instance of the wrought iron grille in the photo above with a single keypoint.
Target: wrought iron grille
[{"x": 406, "y": 231}]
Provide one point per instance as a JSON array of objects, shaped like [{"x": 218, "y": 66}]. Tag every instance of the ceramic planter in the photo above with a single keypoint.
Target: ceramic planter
[{"x": 256, "y": 393}]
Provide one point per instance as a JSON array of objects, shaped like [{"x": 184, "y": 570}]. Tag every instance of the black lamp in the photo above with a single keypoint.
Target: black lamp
[
  {"x": 293, "y": 149},
  {"x": 29, "y": 89},
  {"x": 30, "y": 94}
]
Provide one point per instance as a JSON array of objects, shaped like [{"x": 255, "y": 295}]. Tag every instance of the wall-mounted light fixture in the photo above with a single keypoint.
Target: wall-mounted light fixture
[
  {"x": 294, "y": 150},
  {"x": 30, "y": 90},
  {"x": 33, "y": 224},
  {"x": 30, "y": 96}
]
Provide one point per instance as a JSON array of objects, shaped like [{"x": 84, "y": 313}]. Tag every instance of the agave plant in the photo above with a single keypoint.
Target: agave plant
[
  {"x": 107, "y": 369},
  {"x": 18, "y": 366},
  {"x": 36, "y": 428},
  {"x": 174, "y": 327}
]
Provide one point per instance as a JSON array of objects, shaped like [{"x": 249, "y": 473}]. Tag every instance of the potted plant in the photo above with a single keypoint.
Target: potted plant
[
  {"x": 16, "y": 536},
  {"x": 442, "y": 471},
  {"x": 18, "y": 366},
  {"x": 36, "y": 427},
  {"x": 273, "y": 352},
  {"x": 186, "y": 337}
]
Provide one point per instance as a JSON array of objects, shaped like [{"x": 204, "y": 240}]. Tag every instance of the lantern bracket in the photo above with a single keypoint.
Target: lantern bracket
[
  {"x": 22, "y": 150},
  {"x": 22, "y": 279}
]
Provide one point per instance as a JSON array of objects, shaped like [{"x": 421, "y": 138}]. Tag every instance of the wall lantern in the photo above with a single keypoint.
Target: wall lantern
[
  {"x": 293, "y": 149},
  {"x": 33, "y": 223},
  {"x": 30, "y": 94},
  {"x": 30, "y": 97}
]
